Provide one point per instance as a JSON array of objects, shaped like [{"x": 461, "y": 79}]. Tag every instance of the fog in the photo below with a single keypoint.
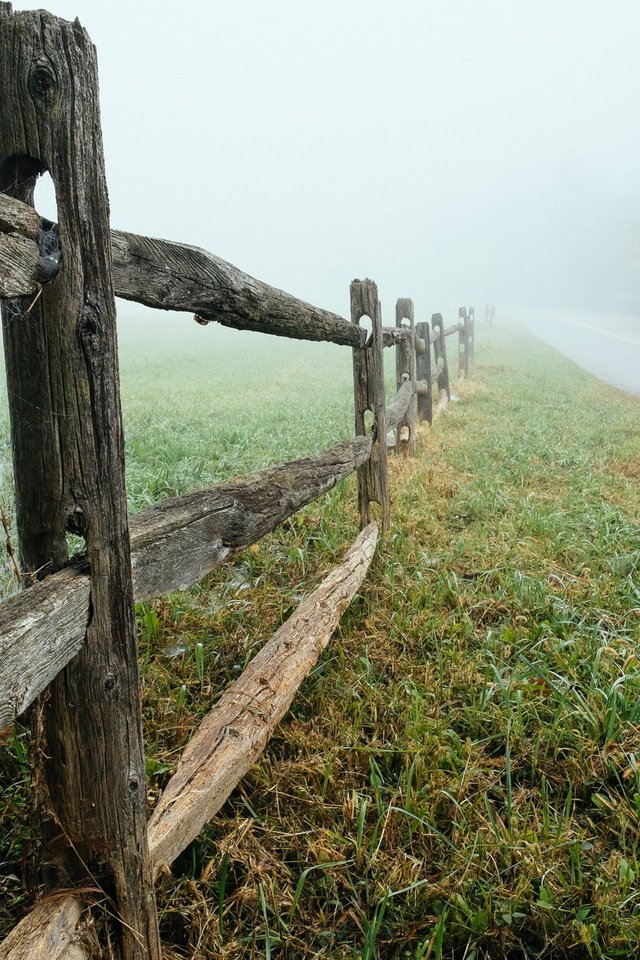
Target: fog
[{"x": 455, "y": 152}]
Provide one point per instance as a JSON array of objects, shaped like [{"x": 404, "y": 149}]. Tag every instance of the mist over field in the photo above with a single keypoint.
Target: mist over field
[{"x": 455, "y": 153}]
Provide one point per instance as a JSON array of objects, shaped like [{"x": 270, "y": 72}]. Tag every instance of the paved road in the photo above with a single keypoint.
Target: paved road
[{"x": 605, "y": 344}]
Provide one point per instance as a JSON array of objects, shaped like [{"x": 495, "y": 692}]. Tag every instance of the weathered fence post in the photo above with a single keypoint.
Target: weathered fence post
[
  {"x": 368, "y": 386},
  {"x": 463, "y": 343},
  {"x": 406, "y": 370},
  {"x": 423, "y": 370},
  {"x": 67, "y": 438},
  {"x": 472, "y": 333},
  {"x": 489, "y": 313},
  {"x": 440, "y": 353}
]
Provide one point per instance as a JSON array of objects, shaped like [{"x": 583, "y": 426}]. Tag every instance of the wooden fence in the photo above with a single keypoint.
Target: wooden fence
[{"x": 68, "y": 643}]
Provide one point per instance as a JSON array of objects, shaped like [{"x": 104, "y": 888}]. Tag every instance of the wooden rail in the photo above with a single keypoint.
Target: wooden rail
[
  {"x": 397, "y": 410},
  {"x": 174, "y": 544},
  {"x": 238, "y": 729},
  {"x": 176, "y": 276},
  {"x": 71, "y": 634}
]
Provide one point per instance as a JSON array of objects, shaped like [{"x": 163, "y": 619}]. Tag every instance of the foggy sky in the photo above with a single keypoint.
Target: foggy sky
[{"x": 455, "y": 152}]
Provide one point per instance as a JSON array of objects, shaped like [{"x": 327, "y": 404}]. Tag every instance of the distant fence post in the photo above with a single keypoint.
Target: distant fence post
[
  {"x": 463, "y": 343},
  {"x": 406, "y": 370},
  {"x": 368, "y": 387},
  {"x": 489, "y": 313},
  {"x": 440, "y": 353},
  {"x": 472, "y": 333},
  {"x": 423, "y": 370},
  {"x": 67, "y": 437}
]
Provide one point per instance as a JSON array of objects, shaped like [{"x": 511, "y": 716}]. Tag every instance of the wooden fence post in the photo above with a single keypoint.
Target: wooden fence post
[
  {"x": 440, "y": 352},
  {"x": 472, "y": 333},
  {"x": 423, "y": 371},
  {"x": 406, "y": 370},
  {"x": 489, "y": 313},
  {"x": 62, "y": 375},
  {"x": 463, "y": 343},
  {"x": 368, "y": 386}
]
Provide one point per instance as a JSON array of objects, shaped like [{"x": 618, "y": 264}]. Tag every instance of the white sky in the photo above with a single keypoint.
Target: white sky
[{"x": 455, "y": 151}]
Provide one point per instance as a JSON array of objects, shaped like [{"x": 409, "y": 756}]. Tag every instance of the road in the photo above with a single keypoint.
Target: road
[{"x": 605, "y": 344}]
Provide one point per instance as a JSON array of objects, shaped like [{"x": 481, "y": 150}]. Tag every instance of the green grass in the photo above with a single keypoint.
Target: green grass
[
  {"x": 204, "y": 405},
  {"x": 459, "y": 776}
]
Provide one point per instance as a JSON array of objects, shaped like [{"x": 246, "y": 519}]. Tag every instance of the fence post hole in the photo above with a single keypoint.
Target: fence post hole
[
  {"x": 62, "y": 376},
  {"x": 440, "y": 352},
  {"x": 368, "y": 388},
  {"x": 423, "y": 372},
  {"x": 463, "y": 343},
  {"x": 406, "y": 370}
]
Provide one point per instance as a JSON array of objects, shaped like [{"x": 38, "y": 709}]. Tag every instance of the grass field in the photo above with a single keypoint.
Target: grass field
[{"x": 459, "y": 777}]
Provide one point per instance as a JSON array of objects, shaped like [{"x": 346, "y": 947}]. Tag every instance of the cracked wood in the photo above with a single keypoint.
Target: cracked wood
[{"x": 68, "y": 454}]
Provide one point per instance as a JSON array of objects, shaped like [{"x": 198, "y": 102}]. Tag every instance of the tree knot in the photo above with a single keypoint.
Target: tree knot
[{"x": 42, "y": 78}]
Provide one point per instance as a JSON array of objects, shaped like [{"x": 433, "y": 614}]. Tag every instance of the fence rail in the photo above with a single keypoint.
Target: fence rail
[
  {"x": 72, "y": 632},
  {"x": 174, "y": 544}
]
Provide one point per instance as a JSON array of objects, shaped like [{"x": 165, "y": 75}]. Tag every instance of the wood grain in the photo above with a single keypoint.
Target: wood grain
[
  {"x": 368, "y": 394},
  {"x": 406, "y": 369},
  {"x": 62, "y": 379},
  {"x": 239, "y": 727},
  {"x": 397, "y": 409},
  {"x": 423, "y": 373},
  {"x": 52, "y": 931},
  {"x": 440, "y": 352},
  {"x": 175, "y": 276}
]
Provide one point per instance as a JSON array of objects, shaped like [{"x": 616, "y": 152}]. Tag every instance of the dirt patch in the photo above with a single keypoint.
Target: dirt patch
[{"x": 627, "y": 468}]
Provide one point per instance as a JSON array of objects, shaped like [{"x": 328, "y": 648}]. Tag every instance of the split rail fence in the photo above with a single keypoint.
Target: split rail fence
[{"x": 68, "y": 643}]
